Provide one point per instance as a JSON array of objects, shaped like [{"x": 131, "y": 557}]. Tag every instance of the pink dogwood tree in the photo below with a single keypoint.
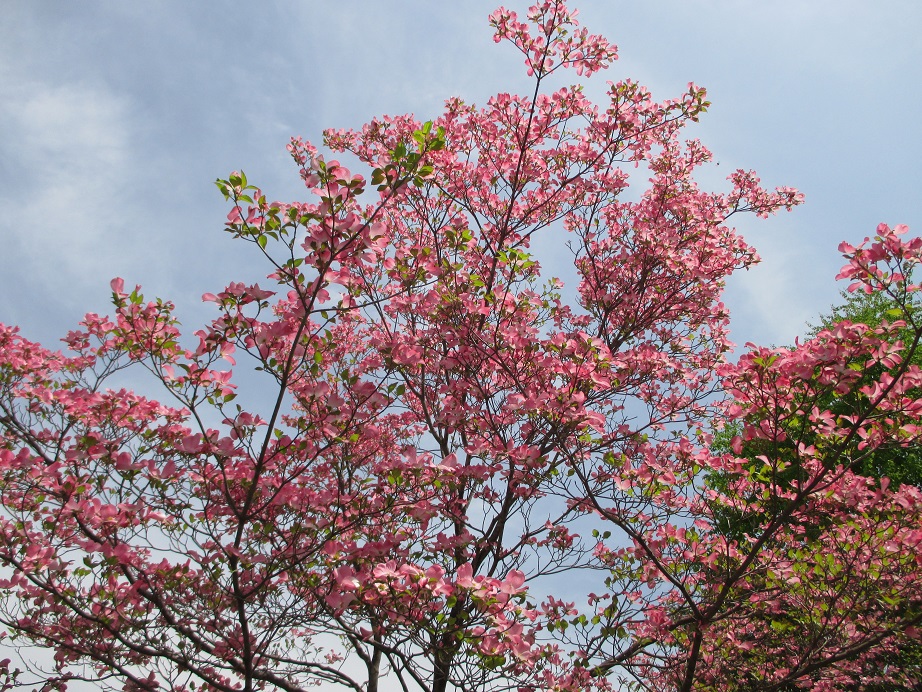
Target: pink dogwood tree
[{"x": 468, "y": 476}]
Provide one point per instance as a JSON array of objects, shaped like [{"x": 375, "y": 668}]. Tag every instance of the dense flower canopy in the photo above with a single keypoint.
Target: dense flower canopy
[{"x": 450, "y": 432}]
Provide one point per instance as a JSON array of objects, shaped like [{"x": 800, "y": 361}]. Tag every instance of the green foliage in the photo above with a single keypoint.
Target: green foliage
[{"x": 900, "y": 464}]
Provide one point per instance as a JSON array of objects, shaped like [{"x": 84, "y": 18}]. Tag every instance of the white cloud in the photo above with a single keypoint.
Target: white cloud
[{"x": 68, "y": 150}]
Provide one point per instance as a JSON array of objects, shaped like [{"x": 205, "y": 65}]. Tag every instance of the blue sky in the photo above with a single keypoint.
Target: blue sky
[{"x": 115, "y": 119}]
